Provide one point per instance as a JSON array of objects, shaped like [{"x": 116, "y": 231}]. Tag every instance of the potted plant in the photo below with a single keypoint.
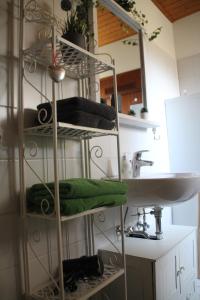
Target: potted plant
[
  {"x": 144, "y": 113},
  {"x": 76, "y": 28},
  {"x": 132, "y": 112}
]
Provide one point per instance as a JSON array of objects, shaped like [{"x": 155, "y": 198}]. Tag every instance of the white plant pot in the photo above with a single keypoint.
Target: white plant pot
[{"x": 144, "y": 115}]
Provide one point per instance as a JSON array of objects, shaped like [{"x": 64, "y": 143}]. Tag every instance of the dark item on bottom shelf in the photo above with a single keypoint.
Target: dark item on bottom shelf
[{"x": 81, "y": 268}]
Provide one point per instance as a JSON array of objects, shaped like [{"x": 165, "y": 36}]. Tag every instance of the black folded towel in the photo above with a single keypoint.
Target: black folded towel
[
  {"x": 81, "y": 104},
  {"x": 82, "y": 118},
  {"x": 81, "y": 268}
]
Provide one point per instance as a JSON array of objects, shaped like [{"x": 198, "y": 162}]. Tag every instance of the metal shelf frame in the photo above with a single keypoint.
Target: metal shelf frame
[{"x": 80, "y": 65}]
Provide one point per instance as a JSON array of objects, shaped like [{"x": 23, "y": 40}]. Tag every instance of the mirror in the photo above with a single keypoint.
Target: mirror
[{"x": 114, "y": 26}]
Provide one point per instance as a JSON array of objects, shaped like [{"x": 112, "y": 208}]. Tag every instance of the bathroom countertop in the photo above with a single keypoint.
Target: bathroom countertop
[{"x": 154, "y": 249}]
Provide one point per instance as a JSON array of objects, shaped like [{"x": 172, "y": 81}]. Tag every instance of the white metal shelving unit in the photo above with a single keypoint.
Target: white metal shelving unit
[{"x": 80, "y": 65}]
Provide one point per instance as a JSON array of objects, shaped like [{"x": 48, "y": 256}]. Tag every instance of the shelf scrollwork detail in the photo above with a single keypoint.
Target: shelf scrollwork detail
[
  {"x": 44, "y": 116},
  {"x": 46, "y": 205},
  {"x": 33, "y": 149},
  {"x": 97, "y": 152},
  {"x": 35, "y": 13}
]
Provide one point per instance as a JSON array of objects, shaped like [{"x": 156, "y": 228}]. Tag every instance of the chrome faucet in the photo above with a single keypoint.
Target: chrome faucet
[{"x": 137, "y": 162}]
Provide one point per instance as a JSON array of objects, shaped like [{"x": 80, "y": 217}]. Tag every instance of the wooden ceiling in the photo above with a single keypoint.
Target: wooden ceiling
[
  {"x": 110, "y": 28},
  {"x": 177, "y": 9}
]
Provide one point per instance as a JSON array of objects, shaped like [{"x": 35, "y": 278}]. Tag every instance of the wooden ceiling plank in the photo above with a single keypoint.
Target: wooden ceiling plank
[
  {"x": 114, "y": 32},
  {"x": 110, "y": 39},
  {"x": 104, "y": 25},
  {"x": 177, "y": 9},
  {"x": 110, "y": 28},
  {"x": 111, "y": 22}
]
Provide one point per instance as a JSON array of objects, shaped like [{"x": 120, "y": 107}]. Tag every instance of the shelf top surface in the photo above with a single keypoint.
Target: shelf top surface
[
  {"x": 65, "y": 130},
  {"x": 85, "y": 288},
  {"x": 77, "y": 62}
]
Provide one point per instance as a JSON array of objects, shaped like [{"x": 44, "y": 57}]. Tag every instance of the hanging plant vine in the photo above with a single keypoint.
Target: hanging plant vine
[{"x": 140, "y": 17}]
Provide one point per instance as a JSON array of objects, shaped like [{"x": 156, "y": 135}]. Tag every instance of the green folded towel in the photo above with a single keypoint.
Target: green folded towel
[
  {"x": 80, "y": 188},
  {"x": 76, "y": 195},
  {"x": 74, "y": 206}
]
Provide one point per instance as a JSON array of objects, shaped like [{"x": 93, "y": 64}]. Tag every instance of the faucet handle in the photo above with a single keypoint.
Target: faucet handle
[{"x": 138, "y": 154}]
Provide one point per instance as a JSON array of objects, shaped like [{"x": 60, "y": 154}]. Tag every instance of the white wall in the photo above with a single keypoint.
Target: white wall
[
  {"x": 187, "y": 44},
  {"x": 186, "y": 33}
]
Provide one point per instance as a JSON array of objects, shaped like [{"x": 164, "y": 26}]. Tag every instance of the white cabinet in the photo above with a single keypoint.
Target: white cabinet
[
  {"x": 161, "y": 270},
  {"x": 176, "y": 272}
]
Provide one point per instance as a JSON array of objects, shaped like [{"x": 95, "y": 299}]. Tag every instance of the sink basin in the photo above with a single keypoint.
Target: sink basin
[{"x": 164, "y": 189}]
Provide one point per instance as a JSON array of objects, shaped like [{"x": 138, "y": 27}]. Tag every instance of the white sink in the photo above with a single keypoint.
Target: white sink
[{"x": 164, "y": 189}]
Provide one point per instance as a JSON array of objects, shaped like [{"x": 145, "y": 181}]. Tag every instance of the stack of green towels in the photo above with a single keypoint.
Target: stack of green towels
[{"x": 77, "y": 195}]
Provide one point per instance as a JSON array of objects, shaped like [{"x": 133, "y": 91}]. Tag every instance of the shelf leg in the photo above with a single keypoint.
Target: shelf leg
[
  {"x": 56, "y": 180},
  {"x": 123, "y": 251},
  {"x": 21, "y": 155},
  {"x": 119, "y": 175}
]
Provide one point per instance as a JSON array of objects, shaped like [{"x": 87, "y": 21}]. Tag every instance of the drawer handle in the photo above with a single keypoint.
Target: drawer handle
[
  {"x": 177, "y": 273},
  {"x": 182, "y": 269}
]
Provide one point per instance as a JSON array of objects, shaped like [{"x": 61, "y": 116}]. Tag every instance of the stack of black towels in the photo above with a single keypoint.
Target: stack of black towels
[{"x": 79, "y": 111}]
